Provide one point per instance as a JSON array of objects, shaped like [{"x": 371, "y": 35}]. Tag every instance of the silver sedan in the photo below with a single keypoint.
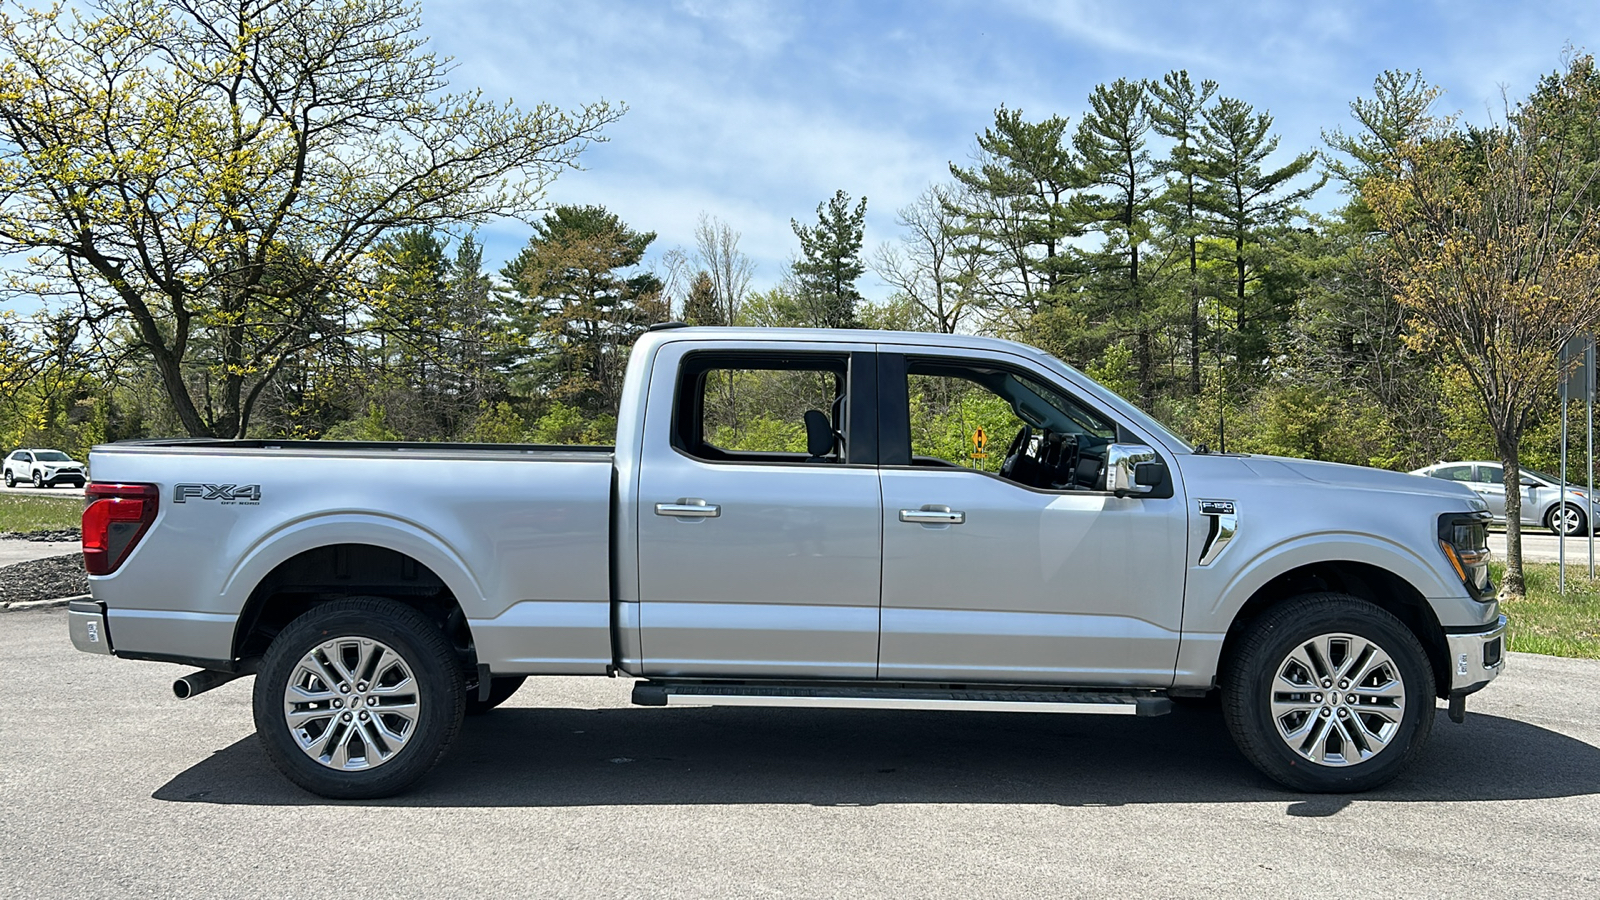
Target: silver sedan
[{"x": 1541, "y": 494}]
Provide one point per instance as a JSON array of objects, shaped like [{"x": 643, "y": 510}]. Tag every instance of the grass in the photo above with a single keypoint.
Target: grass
[
  {"x": 44, "y": 513},
  {"x": 1549, "y": 623}
]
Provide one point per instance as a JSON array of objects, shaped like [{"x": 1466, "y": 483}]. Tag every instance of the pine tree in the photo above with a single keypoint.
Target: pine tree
[
  {"x": 1177, "y": 109},
  {"x": 701, "y": 307},
  {"x": 830, "y": 261}
]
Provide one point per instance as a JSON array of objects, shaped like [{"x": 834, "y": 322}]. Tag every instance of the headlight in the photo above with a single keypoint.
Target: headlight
[{"x": 1464, "y": 538}]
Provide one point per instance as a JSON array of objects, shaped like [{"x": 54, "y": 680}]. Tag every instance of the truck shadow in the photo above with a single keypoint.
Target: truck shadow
[{"x": 630, "y": 756}]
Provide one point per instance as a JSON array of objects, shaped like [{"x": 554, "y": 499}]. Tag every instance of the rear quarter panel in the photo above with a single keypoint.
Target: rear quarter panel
[{"x": 520, "y": 540}]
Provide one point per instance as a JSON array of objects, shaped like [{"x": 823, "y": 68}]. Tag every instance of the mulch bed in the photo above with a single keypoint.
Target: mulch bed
[
  {"x": 44, "y": 579},
  {"x": 60, "y": 534}
]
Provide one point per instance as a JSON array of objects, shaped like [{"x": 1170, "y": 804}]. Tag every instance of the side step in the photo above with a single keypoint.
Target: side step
[{"x": 962, "y": 697}]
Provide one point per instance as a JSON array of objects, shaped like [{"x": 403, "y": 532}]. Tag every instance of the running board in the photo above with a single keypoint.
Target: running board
[{"x": 1081, "y": 702}]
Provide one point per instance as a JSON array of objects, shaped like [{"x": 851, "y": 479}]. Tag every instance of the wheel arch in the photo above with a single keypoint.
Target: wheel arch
[
  {"x": 1365, "y": 581},
  {"x": 347, "y": 555}
]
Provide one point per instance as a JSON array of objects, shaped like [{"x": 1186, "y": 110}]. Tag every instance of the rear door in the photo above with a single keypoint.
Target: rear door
[{"x": 758, "y": 557}]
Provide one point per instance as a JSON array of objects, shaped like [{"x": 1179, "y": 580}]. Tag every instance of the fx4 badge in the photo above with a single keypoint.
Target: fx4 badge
[{"x": 226, "y": 494}]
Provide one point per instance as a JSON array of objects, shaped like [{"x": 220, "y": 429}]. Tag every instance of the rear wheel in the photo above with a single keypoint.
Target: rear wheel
[
  {"x": 11, "y": 480},
  {"x": 1329, "y": 693},
  {"x": 358, "y": 698},
  {"x": 1568, "y": 520},
  {"x": 500, "y": 690}
]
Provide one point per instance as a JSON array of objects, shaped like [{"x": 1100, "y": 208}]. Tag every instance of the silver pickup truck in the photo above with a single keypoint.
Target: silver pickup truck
[{"x": 801, "y": 518}]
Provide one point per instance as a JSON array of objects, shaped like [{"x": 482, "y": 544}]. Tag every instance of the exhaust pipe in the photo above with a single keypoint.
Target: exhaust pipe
[{"x": 196, "y": 683}]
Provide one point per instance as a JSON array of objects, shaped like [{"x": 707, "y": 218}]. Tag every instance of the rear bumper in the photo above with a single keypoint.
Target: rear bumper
[
  {"x": 1477, "y": 657},
  {"x": 86, "y": 621}
]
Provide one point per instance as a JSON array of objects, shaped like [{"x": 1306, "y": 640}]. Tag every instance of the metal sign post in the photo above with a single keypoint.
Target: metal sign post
[{"x": 1578, "y": 378}]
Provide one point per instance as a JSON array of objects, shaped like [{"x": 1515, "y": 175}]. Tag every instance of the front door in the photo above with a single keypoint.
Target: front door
[
  {"x": 1003, "y": 560},
  {"x": 758, "y": 516}
]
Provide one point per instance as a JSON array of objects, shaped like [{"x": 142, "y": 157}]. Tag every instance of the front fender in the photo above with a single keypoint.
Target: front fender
[
  {"x": 1217, "y": 593},
  {"x": 1270, "y": 562}
]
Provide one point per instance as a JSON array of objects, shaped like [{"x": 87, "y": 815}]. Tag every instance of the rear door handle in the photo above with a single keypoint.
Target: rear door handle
[
  {"x": 689, "y": 508},
  {"x": 932, "y": 514}
]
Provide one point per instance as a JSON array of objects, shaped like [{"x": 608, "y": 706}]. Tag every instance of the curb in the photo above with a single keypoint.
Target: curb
[{"x": 57, "y": 603}]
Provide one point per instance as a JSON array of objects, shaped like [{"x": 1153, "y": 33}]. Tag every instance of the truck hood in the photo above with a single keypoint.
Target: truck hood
[{"x": 1339, "y": 475}]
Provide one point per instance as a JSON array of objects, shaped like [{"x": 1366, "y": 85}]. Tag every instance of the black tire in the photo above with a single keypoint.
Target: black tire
[
  {"x": 501, "y": 687},
  {"x": 38, "y": 480},
  {"x": 1251, "y": 674},
  {"x": 1577, "y": 528},
  {"x": 433, "y": 666},
  {"x": 11, "y": 480}
]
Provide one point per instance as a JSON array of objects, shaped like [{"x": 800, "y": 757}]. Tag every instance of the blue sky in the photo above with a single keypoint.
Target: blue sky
[{"x": 754, "y": 112}]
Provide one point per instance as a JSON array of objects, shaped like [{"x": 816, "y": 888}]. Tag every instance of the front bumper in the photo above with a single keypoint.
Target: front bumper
[
  {"x": 86, "y": 622},
  {"x": 1476, "y": 658}
]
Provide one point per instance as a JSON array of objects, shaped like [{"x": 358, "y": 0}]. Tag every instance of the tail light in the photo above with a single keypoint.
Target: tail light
[{"x": 116, "y": 518}]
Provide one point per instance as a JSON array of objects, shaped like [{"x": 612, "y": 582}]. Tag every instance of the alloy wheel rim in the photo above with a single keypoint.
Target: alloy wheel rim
[
  {"x": 351, "y": 703},
  {"x": 1569, "y": 520},
  {"x": 1337, "y": 699}
]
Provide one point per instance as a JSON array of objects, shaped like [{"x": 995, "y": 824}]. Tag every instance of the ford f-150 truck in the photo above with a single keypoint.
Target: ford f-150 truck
[{"x": 800, "y": 518}]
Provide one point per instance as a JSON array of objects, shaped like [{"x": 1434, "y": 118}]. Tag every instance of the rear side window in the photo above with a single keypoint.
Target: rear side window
[
  {"x": 764, "y": 408},
  {"x": 1453, "y": 473}
]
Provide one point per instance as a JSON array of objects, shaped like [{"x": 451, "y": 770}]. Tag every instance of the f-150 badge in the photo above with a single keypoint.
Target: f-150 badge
[{"x": 226, "y": 494}]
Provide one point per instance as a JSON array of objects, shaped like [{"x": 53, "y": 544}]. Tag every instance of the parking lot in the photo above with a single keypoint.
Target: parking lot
[{"x": 113, "y": 788}]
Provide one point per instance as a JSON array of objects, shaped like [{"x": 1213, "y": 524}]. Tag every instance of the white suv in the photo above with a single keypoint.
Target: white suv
[{"x": 45, "y": 468}]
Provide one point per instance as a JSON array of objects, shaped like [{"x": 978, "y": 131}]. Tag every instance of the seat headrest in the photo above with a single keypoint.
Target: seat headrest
[{"x": 819, "y": 434}]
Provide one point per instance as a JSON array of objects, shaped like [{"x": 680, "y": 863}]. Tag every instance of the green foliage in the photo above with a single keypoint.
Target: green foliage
[
  {"x": 373, "y": 426},
  {"x": 761, "y": 433},
  {"x": 830, "y": 262},
  {"x": 565, "y": 424},
  {"x": 497, "y": 424}
]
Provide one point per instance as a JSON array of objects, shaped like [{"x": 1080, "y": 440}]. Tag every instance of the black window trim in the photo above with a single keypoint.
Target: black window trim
[
  {"x": 895, "y": 423},
  {"x": 860, "y": 378}
]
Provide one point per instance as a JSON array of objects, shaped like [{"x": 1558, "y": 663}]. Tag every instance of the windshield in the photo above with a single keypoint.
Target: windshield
[
  {"x": 52, "y": 456},
  {"x": 1547, "y": 478},
  {"x": 1138, "y": 416}
]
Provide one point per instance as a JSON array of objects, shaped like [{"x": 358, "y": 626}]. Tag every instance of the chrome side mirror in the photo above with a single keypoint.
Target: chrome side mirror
[{"x": 1133, "y": 469}]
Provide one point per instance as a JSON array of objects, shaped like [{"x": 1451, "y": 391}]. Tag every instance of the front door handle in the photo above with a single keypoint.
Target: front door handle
[
  {"x": 932, "y": 514},
  {"x": 689, "y": 508}
]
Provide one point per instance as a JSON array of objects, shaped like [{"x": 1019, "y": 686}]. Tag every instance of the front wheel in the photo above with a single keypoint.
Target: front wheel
[
  {"x": 1568, "y": 520},
  {"x": 1328, "y": 693},
  {"x": 38, "y": 480},
  {"x": 358, "y": 698}
]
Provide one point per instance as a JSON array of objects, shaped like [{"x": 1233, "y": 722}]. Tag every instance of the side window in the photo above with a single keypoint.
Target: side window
[
  {"x": 755, "y": 408},
  {"x": 25, "y": 457},
  {"x": 1453, "y": 473},
  {"x": 976, "y": 415},
  {"x": 1491, "y": 474}
]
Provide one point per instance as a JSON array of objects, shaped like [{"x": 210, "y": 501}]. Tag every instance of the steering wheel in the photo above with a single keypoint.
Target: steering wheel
[{"x": 1018, "y": 448}]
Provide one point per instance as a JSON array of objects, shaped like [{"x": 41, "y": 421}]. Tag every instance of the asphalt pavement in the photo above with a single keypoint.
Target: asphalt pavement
[
  {"x": 112, "y": 788},
  {"x": 58, "y": 491},
  {"x": 1539, "y": 545}
]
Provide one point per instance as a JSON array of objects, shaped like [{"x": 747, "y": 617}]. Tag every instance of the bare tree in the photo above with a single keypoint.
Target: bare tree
[
  {"x": 933, "y": 267},
  {"x": 717, "y": 252},
  {"x": 210, "y": 175}
]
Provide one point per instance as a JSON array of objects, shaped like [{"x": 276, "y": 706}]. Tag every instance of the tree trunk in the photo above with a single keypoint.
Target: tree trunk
[{"x": 1512, "y": 586}]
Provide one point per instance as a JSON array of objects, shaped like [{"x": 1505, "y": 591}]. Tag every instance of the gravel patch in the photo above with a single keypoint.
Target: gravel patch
[{"x": 43, "y": 579}]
